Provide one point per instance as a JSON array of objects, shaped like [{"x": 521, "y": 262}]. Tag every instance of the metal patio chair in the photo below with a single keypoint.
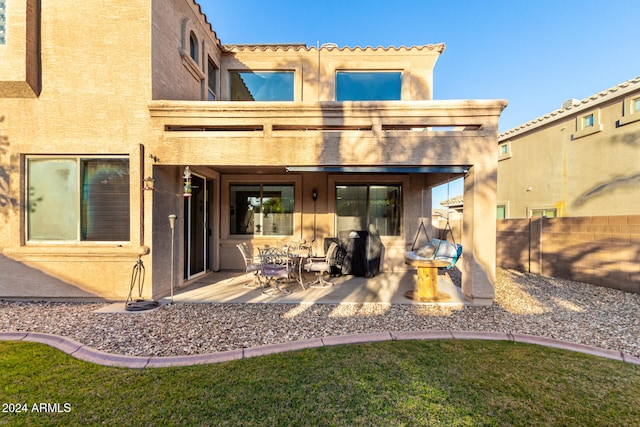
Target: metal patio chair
[
  {"x": 251, "y": 265},
  {"x": 322, "y": 266},
  {"x": 275, "y": 267}
]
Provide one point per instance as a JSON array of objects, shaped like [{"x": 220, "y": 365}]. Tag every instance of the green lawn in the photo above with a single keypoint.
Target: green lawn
[{"x": 448, "y": 382}]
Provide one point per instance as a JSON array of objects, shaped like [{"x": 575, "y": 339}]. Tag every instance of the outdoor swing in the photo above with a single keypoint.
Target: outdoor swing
[{"x": 436, "y": 249}]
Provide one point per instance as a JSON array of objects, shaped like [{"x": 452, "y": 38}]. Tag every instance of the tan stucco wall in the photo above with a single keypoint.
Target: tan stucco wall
[
  {"x": 95, "y": 90},
  {"x": 112, "y": 89},
  {"x": 552, "y": 166},
  {"x": 315, "y": 68},
  {"x": 175, "y": 74},
  {"x": 19, "y": 61}
]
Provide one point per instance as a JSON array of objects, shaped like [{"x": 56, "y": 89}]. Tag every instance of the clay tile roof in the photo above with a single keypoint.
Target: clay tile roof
[
  {"x": 453, "y": 201},
  {"x": 206, "y": 20},
  {"x": 439, "y": 47}
]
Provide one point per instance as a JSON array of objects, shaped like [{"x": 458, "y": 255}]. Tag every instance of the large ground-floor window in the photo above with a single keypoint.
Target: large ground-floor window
[
  {"x": 77, "y": 199},
  {"x": 261, "y": 209},
  {"x": 357, "y": 206}
]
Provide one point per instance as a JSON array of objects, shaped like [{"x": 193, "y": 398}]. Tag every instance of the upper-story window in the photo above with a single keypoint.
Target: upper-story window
[
  {"x": 368, "y": 85},
  {"x": 504, "y": 151},
  {"x": 630, "y": 111},
  {"x": 212, "y": 80},
  {"x": 3, "y": 22},
  {"x": 588, "y": 124},
  {"x": 193, "y": 47},
  {"x": 261, "y": 85}
]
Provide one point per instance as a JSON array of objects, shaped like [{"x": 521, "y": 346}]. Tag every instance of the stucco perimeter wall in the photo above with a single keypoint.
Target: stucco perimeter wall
[{"x": 601, "y": 250}]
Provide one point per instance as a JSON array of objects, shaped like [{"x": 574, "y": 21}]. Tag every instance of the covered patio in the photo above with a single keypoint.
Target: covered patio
[
  {"x": 319, "y": 169},
  {"x": 385, "y": 288}
]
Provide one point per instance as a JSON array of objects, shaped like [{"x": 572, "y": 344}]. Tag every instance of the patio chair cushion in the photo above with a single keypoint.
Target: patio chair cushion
[{"x": 426, "y": 251}]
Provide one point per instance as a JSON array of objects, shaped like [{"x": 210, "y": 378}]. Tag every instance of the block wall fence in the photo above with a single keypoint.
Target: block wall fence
[{"x": 601, "y": 250}]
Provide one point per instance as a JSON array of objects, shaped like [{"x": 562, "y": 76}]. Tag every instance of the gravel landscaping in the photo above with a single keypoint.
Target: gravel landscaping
[{"x": 524, "y": 304}]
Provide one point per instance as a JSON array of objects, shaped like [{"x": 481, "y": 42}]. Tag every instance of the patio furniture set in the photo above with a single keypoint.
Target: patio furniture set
[
  {"x": 274, "y": 265},
  {"x": 351, "y": 253}
]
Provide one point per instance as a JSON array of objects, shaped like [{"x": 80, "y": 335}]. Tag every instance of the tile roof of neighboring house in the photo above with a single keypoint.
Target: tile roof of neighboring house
[
  {"x": 573, "y": 106},
  {"x": 438, "y": 47},
  {"x": 453, "y": 201}
]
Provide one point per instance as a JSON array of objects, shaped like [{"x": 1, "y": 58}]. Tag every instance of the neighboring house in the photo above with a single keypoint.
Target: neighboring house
[
  {"x": 581, "y": 160},
  {"x": 115, "y": 115},
  {"x": 455, "y": 204}
]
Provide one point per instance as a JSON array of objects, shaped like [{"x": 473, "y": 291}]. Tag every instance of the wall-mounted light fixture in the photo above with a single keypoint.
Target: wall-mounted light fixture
[
  {"x": 148, "y": 184},
  {"x": 187, "y": 181},
  {"x": 154, "y": 158},
  {"x": 314, "y": 194}
]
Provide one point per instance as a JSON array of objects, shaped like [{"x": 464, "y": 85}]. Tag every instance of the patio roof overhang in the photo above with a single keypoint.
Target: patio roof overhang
[{"x": 380, "y": 169}]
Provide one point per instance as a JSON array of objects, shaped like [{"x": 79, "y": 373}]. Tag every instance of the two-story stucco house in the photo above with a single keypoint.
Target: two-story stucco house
[
  {"x": 580, "y": 160},
  {"x": 115, "y": 115}
]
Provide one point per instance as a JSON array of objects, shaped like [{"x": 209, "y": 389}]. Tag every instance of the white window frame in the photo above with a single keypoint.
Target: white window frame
[
  {"x": 507, "y": 154},
  {"x": 506, "y": 209},
  {"x": 583, "y": 129},
  {"x": 631, "y": 111},
  {"x": 531, "y": 210}
]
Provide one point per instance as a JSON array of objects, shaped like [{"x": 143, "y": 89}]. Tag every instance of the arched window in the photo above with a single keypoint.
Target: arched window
[{"x": 193, "y": 47}]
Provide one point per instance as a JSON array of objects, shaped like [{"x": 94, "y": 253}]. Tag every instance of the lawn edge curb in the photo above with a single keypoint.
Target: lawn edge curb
[{"x": 88, "y": 354}]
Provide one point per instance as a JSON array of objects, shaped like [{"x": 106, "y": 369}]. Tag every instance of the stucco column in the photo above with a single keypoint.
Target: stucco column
[{"x": 479, "y": 234}]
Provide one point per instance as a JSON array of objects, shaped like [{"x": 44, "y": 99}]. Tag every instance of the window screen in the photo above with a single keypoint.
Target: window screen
[{"x": 78, "y": 199}]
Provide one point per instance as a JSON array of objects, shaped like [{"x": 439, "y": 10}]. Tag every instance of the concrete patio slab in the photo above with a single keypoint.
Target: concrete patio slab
[{"x": 385, "y": 287}]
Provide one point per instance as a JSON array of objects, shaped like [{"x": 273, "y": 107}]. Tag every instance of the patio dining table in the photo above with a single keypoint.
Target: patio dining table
[{"x": 298, "y": 257}]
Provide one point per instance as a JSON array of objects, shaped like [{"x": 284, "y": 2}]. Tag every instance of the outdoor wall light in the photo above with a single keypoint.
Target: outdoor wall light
[
  {"x": 314, "y": 194},
  {"x": 187, "y": 181},
  {"x": 148, "y": 183}
]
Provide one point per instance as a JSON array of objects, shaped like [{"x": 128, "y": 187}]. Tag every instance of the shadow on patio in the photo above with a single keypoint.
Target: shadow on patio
[{"x": 387, "y": 287}]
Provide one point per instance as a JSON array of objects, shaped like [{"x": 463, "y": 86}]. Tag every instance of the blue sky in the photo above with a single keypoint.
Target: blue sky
[{"x": 535, "y": 54}]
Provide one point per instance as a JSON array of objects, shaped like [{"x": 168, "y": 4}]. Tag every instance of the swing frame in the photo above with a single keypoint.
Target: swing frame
[{"x": 437, "y": 243}]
